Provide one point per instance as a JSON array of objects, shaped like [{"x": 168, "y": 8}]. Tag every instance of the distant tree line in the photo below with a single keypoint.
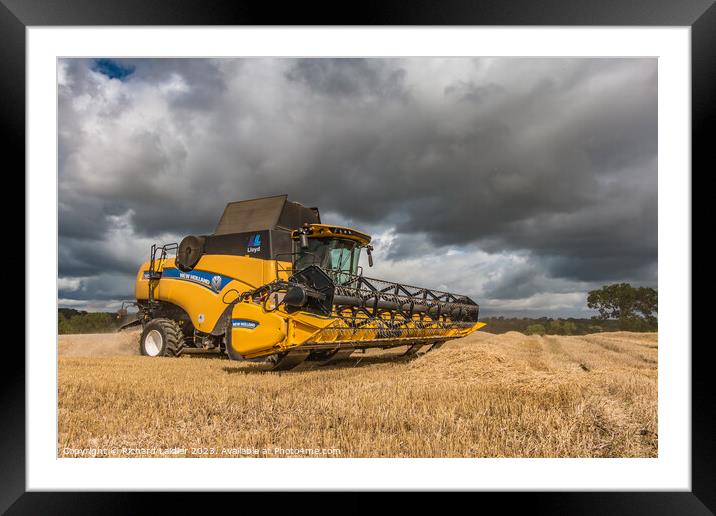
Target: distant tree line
[
  {"x": 621, "y": 307},
  {"x": 548, "y": 326},
  {"x": 78, "y": 321}
]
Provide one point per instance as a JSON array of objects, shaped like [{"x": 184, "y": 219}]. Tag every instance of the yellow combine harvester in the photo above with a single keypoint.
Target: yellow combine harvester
[{"x": 274, "y": 283}]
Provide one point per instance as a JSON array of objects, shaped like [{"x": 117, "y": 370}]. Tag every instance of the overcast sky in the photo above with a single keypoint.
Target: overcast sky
[{"x": 523, "y": 183}]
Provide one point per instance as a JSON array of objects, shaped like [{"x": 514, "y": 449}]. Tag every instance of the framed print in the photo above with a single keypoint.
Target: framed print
[{"x": 417, "y": 250}]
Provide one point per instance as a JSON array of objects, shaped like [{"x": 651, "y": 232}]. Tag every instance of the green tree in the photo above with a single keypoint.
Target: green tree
[
  {"x": 83, "y": 322},
  {"x": 535, "y": 329},
  {"x": 555, "y": 327},
  {"x": 568, "y": 328},
  {"x": 62, "y": 324},
  {"x": 634, "y": 308}
]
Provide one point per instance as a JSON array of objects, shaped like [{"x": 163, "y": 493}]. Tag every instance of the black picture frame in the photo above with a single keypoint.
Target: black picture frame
[{"x": 700, "y": 15}]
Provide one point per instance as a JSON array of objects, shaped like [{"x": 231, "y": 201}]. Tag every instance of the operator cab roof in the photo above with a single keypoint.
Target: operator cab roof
[{"x": 333, "y": 231}]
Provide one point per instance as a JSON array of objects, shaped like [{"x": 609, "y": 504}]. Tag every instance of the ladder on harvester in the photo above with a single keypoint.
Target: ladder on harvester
[{"x": 156, "y": 265}]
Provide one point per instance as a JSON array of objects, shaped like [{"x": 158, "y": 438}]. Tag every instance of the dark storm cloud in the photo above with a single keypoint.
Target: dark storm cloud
[
  {"x": 554, "y": 159},
  {"x": 82, "y": 257},
  {"x": 471, "y": 92},
  {"x": 352, "y": 78},
  {"x": 518, "y": 283},
  {"x": 108, "y": 288}
]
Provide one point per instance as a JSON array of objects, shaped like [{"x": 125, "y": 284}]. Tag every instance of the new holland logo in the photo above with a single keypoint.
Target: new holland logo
[
  {"x": 216, "y": 282},
  {"x": 244, "y": 323},
  {"x": 254, "y": 245}
]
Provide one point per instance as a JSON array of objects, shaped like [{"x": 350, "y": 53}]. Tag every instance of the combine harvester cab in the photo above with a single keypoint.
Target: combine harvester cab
[{"x": 273, "y": 283}]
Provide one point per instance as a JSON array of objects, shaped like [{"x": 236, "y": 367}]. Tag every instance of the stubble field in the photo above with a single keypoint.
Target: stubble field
[{"x": 487, "y": 395}]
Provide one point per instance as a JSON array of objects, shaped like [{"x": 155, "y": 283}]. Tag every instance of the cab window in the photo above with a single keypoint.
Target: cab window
[{"x": 332, "y": 254}]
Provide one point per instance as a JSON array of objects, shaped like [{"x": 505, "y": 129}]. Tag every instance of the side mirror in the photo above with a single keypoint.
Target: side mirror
[
  {"x": 304, "y": 241},
  {"x": 121, "y": 313},
  {"x": 369, "y": 250}
]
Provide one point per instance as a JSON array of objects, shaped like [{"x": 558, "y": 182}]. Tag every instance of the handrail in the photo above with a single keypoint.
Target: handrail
[{"x": 154, "y": 273}]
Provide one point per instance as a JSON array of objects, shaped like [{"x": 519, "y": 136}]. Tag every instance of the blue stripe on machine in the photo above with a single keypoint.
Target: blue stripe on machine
[
  {"x": 210, "y": 280},
  {"x": 244, "y": 323}
]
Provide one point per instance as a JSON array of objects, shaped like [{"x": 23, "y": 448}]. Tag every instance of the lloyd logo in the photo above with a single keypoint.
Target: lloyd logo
[{"x": 254, "y": 245}]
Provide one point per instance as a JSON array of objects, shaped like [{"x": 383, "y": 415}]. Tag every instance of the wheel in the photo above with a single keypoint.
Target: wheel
[{"x": 161, "y": 338}]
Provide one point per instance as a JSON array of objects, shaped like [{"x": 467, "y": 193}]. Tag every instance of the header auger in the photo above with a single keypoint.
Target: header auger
[{"x": 272, "y": 282}]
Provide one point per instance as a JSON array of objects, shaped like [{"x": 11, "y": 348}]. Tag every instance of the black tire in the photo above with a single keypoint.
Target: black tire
[
  {"x": 161, "y": 338},
  {"x": 189, "y": 252}
]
